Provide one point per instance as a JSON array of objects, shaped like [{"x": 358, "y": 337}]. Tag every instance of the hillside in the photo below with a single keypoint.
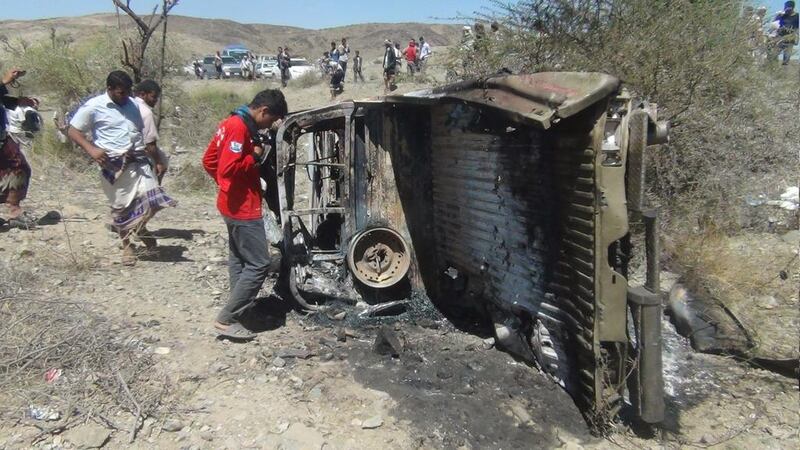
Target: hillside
[{"x": 192, "y": 36}]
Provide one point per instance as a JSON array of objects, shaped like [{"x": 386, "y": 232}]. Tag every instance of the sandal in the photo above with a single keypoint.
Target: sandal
[
  {"x": 51, "y": 218},
  {"x": 236, "y": 331},
  {"x": 24, "y": 222}
]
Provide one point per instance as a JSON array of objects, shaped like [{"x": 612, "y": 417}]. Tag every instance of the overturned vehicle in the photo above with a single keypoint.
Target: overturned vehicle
[{"x": 510, "y": 196}]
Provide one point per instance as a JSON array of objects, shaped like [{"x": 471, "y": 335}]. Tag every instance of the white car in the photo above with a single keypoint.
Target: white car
[
  {"x": 299, "y": 67},
  {"x": 267, "y": 69}
]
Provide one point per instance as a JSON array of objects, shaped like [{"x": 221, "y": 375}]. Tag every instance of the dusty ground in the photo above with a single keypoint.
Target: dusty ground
[{"x": 447, "y": 391}]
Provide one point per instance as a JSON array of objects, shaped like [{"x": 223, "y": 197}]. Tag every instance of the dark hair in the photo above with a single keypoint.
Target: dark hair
[
  {"x": 118, "y": 79},
  {"x": 272, "y": 99},
  {"x": 146, "y": 87},
  {"x": 789, "y": 4}
]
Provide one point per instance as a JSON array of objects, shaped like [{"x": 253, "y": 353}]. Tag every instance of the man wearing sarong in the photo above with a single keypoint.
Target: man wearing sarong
[
  {"x": 15, "y": 173},
  {"x": 128, "y": 177}
]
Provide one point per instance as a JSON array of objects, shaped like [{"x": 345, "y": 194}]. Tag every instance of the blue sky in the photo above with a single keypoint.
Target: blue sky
[{"x": 301, "y": 13}]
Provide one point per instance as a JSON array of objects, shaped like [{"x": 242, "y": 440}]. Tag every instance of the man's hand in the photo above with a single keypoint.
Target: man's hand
[
  {"x": 12, "y": 75},
  {"x": 258, "y": 151},
  {"x": 97, "y": 154},
  {"x": 161, "y": 169},
  {"x": 28, "y": 101}
]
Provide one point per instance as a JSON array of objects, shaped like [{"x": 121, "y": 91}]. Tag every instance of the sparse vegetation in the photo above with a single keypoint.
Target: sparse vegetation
[{"x": 307, "y": 80}]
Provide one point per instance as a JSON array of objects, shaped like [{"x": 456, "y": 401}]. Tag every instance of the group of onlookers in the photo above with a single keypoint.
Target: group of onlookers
[{"x": 416, "y": 56}]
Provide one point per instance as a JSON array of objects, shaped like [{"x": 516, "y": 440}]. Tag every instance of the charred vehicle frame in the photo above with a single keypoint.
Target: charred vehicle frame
[{"x": 510, "y": 196}]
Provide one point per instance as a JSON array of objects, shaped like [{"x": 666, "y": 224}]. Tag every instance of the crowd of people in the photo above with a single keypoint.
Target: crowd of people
[{"x": 118, "y": 131}]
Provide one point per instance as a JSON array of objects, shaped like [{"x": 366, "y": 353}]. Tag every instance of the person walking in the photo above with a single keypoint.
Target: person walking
[
  {"x": 410, "y": 53},
  {"x": 424, "y": 54},
  {"x": 146, "y": 96},
  {"x": 787, "y": 32},
  {"x": 284, "y": 62},
  {"x": 118, "y": 147},
  {"x": 218, "y": 64},
  {"x": 334, "y": 52},
  {"x": 15, "y": 172},
  {"x": 344, "y": 55},
  {"x": 357, "y": 67},
  {"x": 389, "y": 66},
  {"x": 233, "y": 159}
]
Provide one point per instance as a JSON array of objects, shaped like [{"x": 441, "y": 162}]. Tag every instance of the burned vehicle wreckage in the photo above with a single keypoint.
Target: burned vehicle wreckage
[{"x": 510, "y": 196}]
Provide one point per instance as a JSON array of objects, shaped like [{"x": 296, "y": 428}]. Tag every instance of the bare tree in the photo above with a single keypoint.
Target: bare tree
[{"x": 133, "y": 53}]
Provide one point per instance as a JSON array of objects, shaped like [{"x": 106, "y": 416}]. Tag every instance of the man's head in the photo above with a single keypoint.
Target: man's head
[
  {"x": 333, "y": 44},
  {"x": 788, "y": 7},
  {"x": 421, "y": 39},
  {"x": 268, "y": 106},
  {"x": 280, "y": 49},
  {"x": 387, "y": 43},
  {"x": 357, "y": 53},
  {"x": 149, "y": 91},
  {"x": 118, "y": 86},
  {"x": 344, "y": 41}
]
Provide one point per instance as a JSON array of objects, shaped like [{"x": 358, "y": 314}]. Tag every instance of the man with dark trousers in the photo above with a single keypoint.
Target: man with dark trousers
[{"x": 233, "y": 159}]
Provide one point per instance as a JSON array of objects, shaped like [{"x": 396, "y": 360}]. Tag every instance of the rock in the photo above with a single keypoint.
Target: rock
[
  {"x": 172, "y": 425},
  {"x": 161, "y": 350},
  {"x": 281, "y": 428},
  {"x": 89, "y": 435},
  {"x": 327, "y": 356},
  {"x": 315, "y": 393},
  {"x": 207, "y": 435},
  {"x": 444, "y": 374},
  {"x": 341, "y": 335},
  {"x": 279, "y": 362},
  {"x": 488, "y": 343},
  {"x": 387, "y": 342},
  {"x": 294, "y": 353},
  {"x": 792, "y": 237},
  {"x": 372, "y": 423},
  {"x": 340, "y": 316},
  {"x": 356, "y": 423},
  {"x": 768, "y": 302}
]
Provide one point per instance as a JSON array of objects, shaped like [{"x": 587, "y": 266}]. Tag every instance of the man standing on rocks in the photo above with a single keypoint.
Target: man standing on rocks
[
  {"x": 118, "y": 147},
  {"x": 233, "y": 159}
]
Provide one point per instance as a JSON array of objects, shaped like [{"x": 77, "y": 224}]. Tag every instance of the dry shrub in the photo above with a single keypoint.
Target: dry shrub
[
  {"x": 307, "y": 80},
  {"x": 733, "y": 121},
  {"x": 104, "y": 371}
]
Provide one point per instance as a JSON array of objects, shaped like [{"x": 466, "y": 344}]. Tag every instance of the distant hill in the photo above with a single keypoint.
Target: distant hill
[{"x": 192, "y": 36}]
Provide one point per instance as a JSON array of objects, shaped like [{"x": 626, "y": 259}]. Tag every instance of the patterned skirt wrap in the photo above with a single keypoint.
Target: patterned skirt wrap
[
  {"x": 15, "y": 173},
  {"x": 133, "y": 191}
]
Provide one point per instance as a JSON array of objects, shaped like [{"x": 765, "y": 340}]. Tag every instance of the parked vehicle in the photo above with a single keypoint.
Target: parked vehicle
[
  {"x": 235, "y": 51},
  {"x": 267, "y": 69},
  {"x": 230, "y": 67},
  {"x": 299, "y": 67}
]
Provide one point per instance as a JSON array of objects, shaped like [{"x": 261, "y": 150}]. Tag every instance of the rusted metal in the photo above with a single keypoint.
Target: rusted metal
[
  {"x": 378, "y": 257},
  {"x": 510, "y": 196}
]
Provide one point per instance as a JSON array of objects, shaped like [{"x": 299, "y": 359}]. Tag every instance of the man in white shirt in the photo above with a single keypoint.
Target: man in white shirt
[
  {"x": 424, "y": 53},
  {"x": 118, "y": 147}
]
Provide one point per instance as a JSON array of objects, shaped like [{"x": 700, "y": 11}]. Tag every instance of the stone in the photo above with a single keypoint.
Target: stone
[
  {"x": 294, "y": 353},
  {"x": 315, "y": 393},
  {"x": 372, "y": 423},
  {"x": 488, "y": 343},
  {"x": 172, "y": 425},
  {"x": 387, "y": 342},
  {"x": 281, "y": 428},
  {"x": 279, "y": 362},
  {"x": 89, "y": 435},
  {"x": 768, "y": 302},
  {"x": 161, "y": 350}
]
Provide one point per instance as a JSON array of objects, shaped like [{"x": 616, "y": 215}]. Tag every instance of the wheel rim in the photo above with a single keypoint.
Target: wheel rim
[{"x": 378, "y": 257}]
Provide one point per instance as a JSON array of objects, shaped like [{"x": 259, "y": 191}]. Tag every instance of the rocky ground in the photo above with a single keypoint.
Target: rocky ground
[{"x": 318, "y": 382}]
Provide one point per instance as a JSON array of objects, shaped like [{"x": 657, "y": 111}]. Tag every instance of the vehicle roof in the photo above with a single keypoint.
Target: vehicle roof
[{"x": 539, "y": 99}]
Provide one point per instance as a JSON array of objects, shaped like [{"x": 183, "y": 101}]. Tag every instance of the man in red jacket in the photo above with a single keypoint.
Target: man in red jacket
[{"x": 233, "y": 159}]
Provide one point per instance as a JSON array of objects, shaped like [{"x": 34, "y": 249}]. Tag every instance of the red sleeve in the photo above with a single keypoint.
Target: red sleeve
[
  {"x": 211, "y": 155},
  {"x": 235, "y": 152}
]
